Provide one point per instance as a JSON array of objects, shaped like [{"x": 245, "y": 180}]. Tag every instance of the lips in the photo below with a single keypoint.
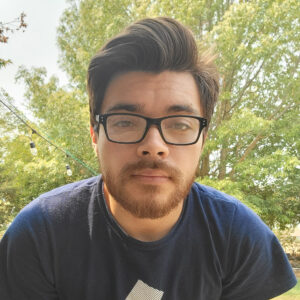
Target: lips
[
  {"x": 151, "y": 176},
  {"x": 151, "y": 173}
]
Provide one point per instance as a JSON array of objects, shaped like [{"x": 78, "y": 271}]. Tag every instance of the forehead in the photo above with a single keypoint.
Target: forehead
[{"x": 153, "y": 94}]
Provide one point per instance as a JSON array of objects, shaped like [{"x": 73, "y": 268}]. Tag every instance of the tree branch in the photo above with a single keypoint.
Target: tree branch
[
  {"x": 275, "y": 116},
  {"x": 247, "y": 84}
]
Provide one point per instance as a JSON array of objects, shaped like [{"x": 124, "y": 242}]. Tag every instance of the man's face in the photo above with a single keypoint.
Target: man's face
[{"x": 149, "y": 178}]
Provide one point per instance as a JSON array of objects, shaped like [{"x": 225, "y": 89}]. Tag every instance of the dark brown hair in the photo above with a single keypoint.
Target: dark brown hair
[{"x": 152, "y": 45}]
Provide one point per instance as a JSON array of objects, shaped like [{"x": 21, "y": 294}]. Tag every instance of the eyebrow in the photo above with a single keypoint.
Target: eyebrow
[
  {"x": 182, "y": 108},
  {"x": 127, "y": 107},
  {"x": 139, "y": 108}
]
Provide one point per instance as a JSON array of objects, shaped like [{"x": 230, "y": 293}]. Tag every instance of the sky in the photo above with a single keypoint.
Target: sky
[{"x": 36, "y": 47}]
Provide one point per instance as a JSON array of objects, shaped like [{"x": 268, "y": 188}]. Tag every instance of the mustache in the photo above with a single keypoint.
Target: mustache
[{"x": 172, "y": 171}]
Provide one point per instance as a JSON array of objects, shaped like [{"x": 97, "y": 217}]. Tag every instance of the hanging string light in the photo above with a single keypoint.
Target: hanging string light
[
  {"x": 69, "y": 171},
  {"x": 33, "y": 149}
]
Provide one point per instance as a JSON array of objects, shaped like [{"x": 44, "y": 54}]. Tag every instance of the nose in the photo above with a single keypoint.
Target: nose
[{"x": 153, "y": 146}]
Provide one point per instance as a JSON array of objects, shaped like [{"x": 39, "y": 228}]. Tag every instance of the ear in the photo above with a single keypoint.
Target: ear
[
  {"x": 93, "y": 135},
  {"x": 94, "y": 139},
  {"x": 204, "y": 136}
]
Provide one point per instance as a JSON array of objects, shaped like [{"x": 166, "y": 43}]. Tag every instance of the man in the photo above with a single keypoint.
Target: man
[{"x": 144, "y": 230}]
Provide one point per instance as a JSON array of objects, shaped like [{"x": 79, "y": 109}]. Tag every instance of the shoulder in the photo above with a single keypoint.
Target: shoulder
[
  {"x": 248, "y": 251},
  {"x": 57, "y": 205},
  {"x": 71, "y": 190},
  {"x": 65, "y": 195},
  {"x": 229, "y": 220},
  {"x": 225, "y": 207},
  {"x": 210, "y": 196},
  {"x": 213, "y": 205}
]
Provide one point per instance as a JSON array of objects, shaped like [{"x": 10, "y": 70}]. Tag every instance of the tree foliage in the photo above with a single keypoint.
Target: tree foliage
[
  {"x": 252, "y": 151},
  {"x": 7, "y": 28},
  {"x": 254, "y": 139}
]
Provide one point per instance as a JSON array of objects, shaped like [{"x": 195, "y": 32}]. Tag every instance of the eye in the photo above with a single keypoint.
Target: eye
[
  {"x": 123, "y": 123},
  {"x": 180, "y": 126}
]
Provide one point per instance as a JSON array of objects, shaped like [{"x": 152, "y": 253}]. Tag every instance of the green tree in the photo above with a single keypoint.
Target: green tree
[
  {"x": 7, "y": 190},
  {"x": 61, "y": 118},
  {"x": 254, "y": 139}
]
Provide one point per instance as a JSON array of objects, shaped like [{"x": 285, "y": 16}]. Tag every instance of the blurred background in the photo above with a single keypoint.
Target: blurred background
[{"x": 252, "y": 151}]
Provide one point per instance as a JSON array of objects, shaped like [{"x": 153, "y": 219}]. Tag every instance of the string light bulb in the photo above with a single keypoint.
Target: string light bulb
[
  {"x": 69, "y": 171},
  {"x": 33, "y": 149}
]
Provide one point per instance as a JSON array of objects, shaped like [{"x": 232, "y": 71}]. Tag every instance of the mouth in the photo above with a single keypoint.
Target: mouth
[{"x": 151, "y": 176}]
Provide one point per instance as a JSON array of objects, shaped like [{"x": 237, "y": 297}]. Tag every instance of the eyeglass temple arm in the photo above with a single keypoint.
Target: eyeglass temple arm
[{"x": 96, "y": 126}]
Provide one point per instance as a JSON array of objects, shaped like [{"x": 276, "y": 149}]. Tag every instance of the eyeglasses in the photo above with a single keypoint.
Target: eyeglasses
[{"x": 127, "y": 128}]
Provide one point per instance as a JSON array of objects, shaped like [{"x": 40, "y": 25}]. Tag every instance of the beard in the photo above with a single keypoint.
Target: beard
[{"x": 149, "y": 200}]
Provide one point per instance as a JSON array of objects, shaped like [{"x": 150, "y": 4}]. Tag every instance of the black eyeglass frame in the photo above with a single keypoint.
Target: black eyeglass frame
[{"x": 101, "y": 119}]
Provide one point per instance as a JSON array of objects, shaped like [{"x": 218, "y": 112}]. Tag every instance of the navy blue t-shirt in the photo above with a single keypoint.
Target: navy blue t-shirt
[{"x": 66, "y": 245}]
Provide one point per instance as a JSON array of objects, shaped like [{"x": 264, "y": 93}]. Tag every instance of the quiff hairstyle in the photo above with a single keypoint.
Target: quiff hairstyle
[{"x": 152, "y": 45}]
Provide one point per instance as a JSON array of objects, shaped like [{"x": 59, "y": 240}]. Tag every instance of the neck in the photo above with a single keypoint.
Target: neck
[{"x": 145, "y": 230}]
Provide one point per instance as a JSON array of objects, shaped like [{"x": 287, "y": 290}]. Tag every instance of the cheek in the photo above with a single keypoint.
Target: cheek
[
  {"x": 113, "y": 156},
  {"x": 187, "y": 159}
]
